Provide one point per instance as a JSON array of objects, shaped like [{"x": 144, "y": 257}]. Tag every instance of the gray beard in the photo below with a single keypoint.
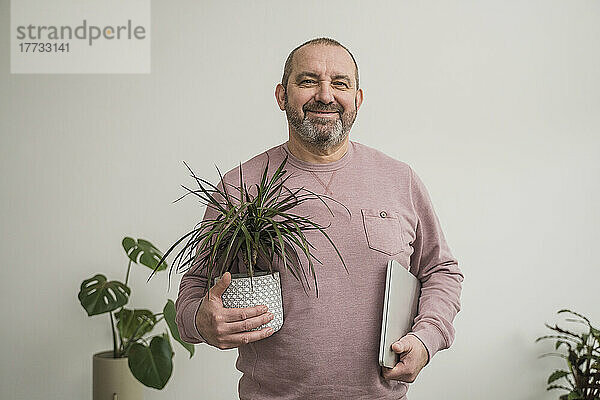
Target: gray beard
[
  {"x": 321, "y": 136},
  {"x": 322, "y": 133}
]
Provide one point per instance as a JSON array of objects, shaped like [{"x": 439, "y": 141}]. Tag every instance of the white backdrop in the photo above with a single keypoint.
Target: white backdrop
[{"x": 494, "y": 104}]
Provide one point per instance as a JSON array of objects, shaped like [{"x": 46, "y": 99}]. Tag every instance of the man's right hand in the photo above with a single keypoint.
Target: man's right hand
[{"x": 225, "y": 328}]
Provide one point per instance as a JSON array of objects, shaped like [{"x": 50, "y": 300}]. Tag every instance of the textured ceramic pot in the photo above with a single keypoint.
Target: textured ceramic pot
[
  {"x": 113, "y": 379},
  {"x": 265, "y": 289}
]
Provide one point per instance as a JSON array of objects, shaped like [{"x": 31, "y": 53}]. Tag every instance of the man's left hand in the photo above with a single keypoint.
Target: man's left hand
[{"x": 413, "y": 357}]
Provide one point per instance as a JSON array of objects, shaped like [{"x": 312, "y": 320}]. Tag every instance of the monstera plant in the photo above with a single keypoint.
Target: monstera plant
[{"x": 150, "y": 359}]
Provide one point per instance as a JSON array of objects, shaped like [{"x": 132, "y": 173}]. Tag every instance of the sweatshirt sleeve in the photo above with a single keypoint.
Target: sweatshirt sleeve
[
  {"x": 438, "y": 271},
  {"x": 192, "y": 288}
]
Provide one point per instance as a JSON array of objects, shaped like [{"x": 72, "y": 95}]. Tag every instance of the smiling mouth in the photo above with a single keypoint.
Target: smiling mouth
[{"x": 323, "y": 112}]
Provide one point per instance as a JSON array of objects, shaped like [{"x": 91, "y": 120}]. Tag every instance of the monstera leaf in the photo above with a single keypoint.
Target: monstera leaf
[
  {"x": 143, "y": 252},
  {"x": 169, "y": 314},
  {"x": 152, "y": 365},
  {"x": 133, "y": 324},
  {"x": 97, "y": 296}
]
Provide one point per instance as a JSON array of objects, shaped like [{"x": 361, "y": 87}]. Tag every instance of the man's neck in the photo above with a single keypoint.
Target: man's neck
[{"x": 311, "y": 154}]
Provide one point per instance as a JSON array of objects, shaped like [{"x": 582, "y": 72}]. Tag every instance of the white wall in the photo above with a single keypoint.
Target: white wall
[{"x": 495, "y": 105}]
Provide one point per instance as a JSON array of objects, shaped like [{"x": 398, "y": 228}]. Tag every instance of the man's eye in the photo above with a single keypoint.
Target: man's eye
[
  {"x": 307, "y": 81},
  {"x": 340, "y": 83}
]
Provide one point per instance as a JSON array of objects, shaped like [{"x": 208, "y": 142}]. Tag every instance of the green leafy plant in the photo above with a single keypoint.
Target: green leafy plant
[
  {"x": 582, "y": 355},
  {"x": 256, "y": 227},
  {"x": 150, "y": 362}
]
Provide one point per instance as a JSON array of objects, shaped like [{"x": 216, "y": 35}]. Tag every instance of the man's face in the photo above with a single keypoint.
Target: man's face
[{"x": 321, "y": 100}]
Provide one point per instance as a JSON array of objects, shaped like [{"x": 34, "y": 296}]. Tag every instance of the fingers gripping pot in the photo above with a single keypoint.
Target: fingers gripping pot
[{"x": 263, "y": 288}]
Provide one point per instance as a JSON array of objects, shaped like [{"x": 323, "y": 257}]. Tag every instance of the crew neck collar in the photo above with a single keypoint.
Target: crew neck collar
[{"x": 319, "y": 167}]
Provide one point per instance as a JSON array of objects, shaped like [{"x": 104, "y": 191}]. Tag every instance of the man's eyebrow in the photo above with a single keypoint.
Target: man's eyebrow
[
  {"x": 341, "y": 76},
  {"x": 307, "y": 74},
  {"x": 314, "y": 75}
]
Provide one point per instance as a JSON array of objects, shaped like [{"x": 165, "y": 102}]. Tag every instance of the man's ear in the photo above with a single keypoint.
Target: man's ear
[
  {"x": 359, "y": 98},
  {"x": 280, "y": 96}
]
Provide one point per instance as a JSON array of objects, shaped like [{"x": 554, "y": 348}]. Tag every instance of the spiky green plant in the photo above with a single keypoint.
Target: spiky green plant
[
  {"x": 257, "y": 227},
  {"x": 582, "y": 358}
]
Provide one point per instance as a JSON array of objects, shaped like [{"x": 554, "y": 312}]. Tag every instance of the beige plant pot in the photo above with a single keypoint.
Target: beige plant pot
[{"x": 113, "y": 379}]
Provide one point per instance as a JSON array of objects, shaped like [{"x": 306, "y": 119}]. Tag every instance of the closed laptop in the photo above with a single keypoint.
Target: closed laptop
[{"x": 400, "y": 307}]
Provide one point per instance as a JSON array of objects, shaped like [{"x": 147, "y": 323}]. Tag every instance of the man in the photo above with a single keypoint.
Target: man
[{"x": 328, "y": 346}]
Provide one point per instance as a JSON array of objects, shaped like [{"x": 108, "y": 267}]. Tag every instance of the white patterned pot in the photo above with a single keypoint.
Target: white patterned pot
[{"x": 265, "y": 290}]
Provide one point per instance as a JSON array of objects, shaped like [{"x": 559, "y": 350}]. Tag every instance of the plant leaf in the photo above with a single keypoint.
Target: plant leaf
[
  {"x": 557, "y": 337},
  {"x": 152, "y": 365},
  {"x": 552, "y": 387},
  {"x": 97, "y": 296},
  {"x": 557, "y": 375},
  {"x": 563, "y": 331},
  {"x": 169, "y": 314},
  {"x": 133, "y": 324},
  {"x": 143, "y": 252},
  {"x": 574, "y": 313},
  {"x": 574, "y": 395}
]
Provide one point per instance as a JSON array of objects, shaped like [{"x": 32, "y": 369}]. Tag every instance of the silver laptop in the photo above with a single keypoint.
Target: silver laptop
[{"x": 400, "y": 307}]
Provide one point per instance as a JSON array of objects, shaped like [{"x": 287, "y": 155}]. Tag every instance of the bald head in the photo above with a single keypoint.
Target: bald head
[{"x": 289, "y": 63}]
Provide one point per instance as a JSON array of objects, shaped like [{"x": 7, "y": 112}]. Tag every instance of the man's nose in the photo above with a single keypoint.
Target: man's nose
[{"x": 324, "y": 93}]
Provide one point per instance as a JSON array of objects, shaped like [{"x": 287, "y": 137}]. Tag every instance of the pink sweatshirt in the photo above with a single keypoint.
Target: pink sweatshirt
[{"x": 328, "y": 346}]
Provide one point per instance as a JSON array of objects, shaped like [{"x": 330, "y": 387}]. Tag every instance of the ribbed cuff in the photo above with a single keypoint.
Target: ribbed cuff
[
  {"x": 431, "y": 337},
  {"x": 189, "y": 333},
  {"x": 196, "y": 325}
]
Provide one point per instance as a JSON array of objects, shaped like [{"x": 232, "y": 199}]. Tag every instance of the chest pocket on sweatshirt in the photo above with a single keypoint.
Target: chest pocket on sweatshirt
[{"x": 382, "y": 228}]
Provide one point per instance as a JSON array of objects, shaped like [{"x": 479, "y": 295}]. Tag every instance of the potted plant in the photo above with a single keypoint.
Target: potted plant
[
  {"x": 581, "y": 352},
  {"x": 134, "y": 359},
  {"x": 257, "y": 228}
]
